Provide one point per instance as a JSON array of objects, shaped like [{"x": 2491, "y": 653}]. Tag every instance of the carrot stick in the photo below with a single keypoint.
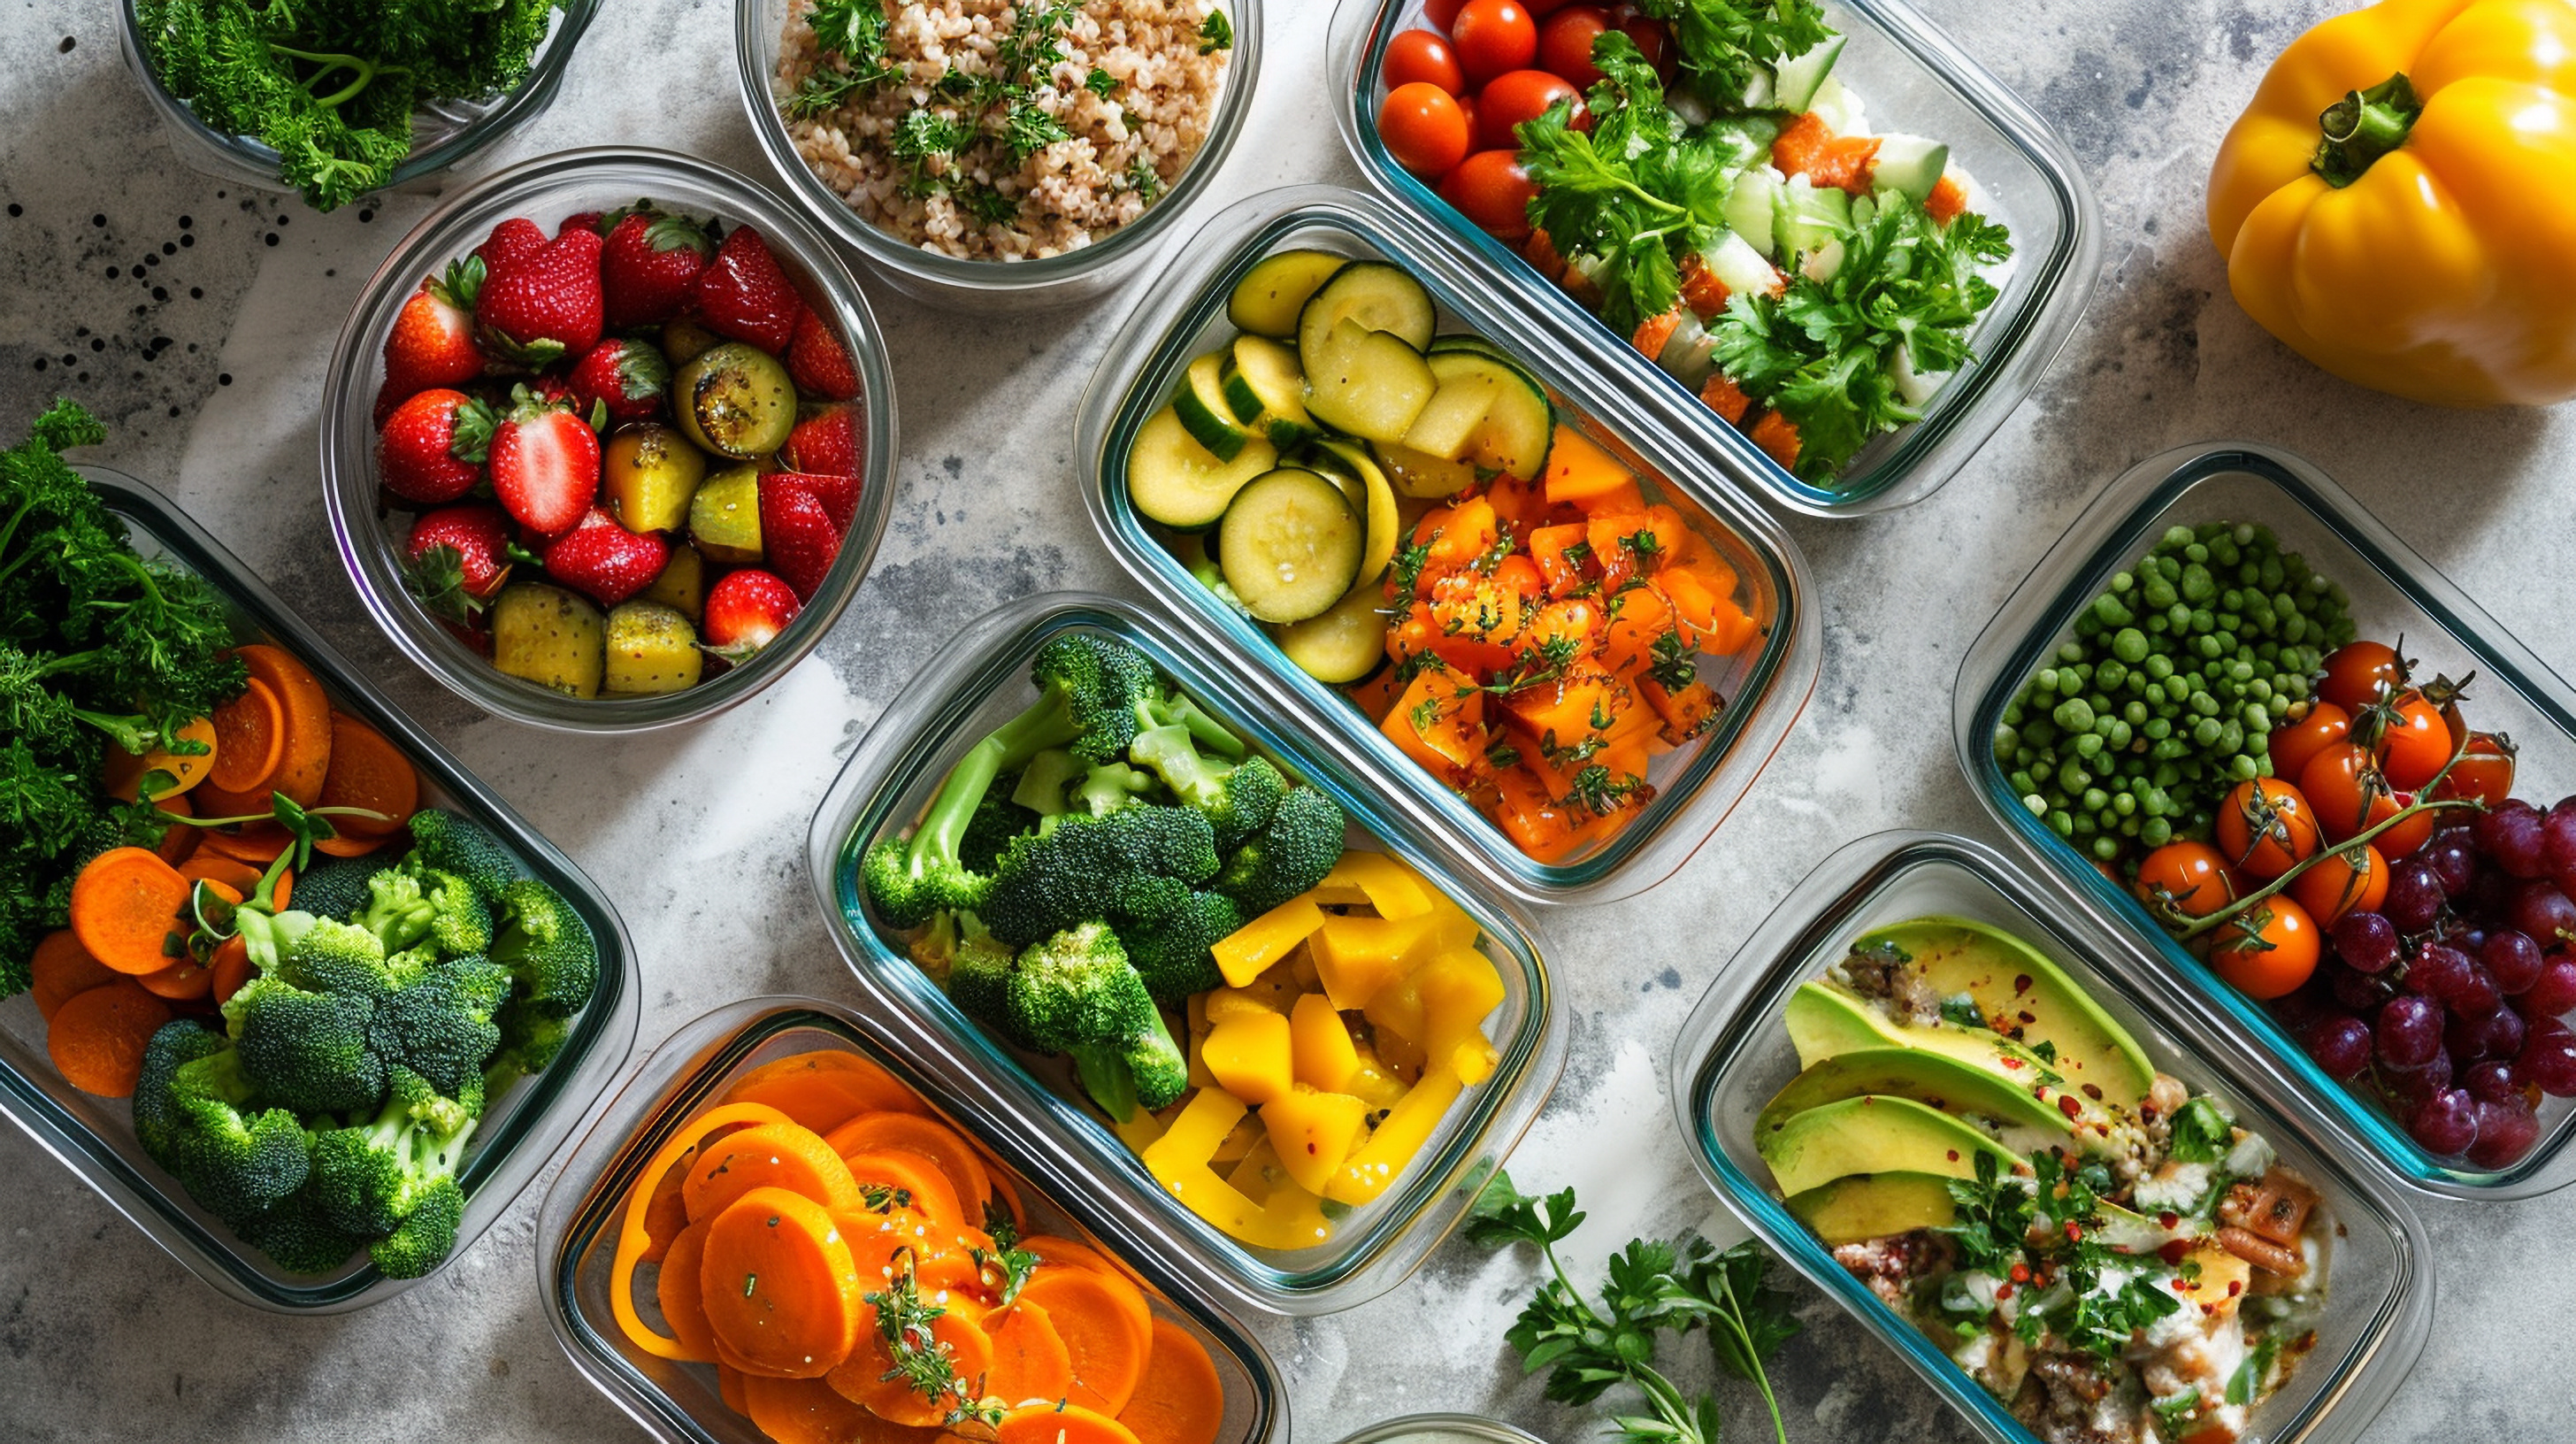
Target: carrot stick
[
  {"x": 633, "y": 1238},
  {"x": 249, "y": 733},
  {"x": 946, "y": 1149},
  {"x": 232, "y": 968},
  {"x": 125, "y": 906},
  {"x": 1031, "y": 1364},
  {"x": 781, "y": 1290},
  {"x": 842, "y": 1086},
  {"x": 768, "y": 1155},
  {"x": 178, "y": 841},
  {"x": 917, "y": 1183},
  {"x": 679, "y": 1288},
  {"x": 62, "y": 968},
  {"x": 1062, "y": 1424},
  {"x": 304, "y": 738},
  {"x": 1106, "y": 1326},
  {"x": 1180, "y": 1400},
  {"x": 370, "y": 772},
  {"x": 96, "y": 1038}
]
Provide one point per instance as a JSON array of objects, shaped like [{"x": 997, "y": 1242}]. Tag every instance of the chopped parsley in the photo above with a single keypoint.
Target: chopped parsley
[
  {"x": 2201, "y": 1134},
  {"x": 1723, "y": 44},
  {"x": 1215, "y": 33}
]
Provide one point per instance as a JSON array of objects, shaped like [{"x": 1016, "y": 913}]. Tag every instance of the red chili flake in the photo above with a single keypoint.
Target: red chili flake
[
  {"x": 2168, "y": 1219},
  {"x": 2177, "y": 1285},
  {"x": 2235, "y": 1287},
  {"x": 2209, "y": 1310},
  {"x": 2093, "y": 1091},
  {"x": 1954, "y": 1155},
  {"x": 2067, "y": 1105},
  {"x": 2021, "y": 1273},
  {"x": 2074, "y": 1231},
  {"x": 2027, "y": 1018},
  {"x": 2146, "y": 1113},
  {"x": 2012, "y": 1062},
  {"x": 2021, "y": 983},
  {"x": 2003, "y": 1292},
  {"x": 2174, "y": 1251}
]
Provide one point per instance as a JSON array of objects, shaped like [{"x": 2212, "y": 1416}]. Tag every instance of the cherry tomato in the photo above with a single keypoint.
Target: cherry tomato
[
  {"x": 1541, "y": 9},
  {"x": 2413, "y": 741},
  {"x": 1467, "y": 108},
  {"x": 2484, "y": 771},
  {"x": 1521, "y": 95},
  {"x": 1423, "y": 128},
  {"x": 1492, "y": 36},
  {"x": 1442, "y": 13},
  {"x": 2357, "y": 671},
  {"x": 1565, "y": 43},
  {"x": 2293, "y": 743},
  {"x": 2269, "y": 952},
  {"x": 2340, "y": 784},
  {"x": 1652, "y": 40},
  {"x": 1491, "y": 189},
  {"x": 2188, "y": 878},
  {"x": 2344, "y": 880},
  {"x": 1425, "y": 56},
  {"x": 2265, "y": 828}
]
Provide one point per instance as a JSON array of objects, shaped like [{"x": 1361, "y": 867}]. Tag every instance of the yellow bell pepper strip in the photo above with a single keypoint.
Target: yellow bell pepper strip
[{"x": 2398, "y": 203}]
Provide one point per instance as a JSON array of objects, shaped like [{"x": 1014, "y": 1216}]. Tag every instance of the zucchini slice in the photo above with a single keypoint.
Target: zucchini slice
[
  {"x": 1377, "y": 505},
  {"x": 1266, "y": 390},
  {"x": 1377, "y": 296},
  {"x": 1420, "y": 474},
  {"x": 1512, "y": 436},
  {"x": 1290, "y": 545},
  {"x": 1266, "y": 301},
  {"x": 1468, "y": 385},
  {"x": 1200, "y": 403},
  {"x": 1343, "y": 643},
  {"x": 1173, "y": 480},
  {"x": 1365, "y": 383}
]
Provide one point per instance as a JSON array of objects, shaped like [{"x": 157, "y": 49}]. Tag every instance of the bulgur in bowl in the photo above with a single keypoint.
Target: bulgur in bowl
[{"x": 992, "y": 154}]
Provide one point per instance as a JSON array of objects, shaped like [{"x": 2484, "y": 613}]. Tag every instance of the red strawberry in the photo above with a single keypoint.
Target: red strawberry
[
  {"x": 582, "y": 221},
  {"x": 628, "y": 377},
  {"x": 797, "y": 536},
  {"x": 838, "y": 492},
  {"x": 746, "y": 610},
  {"x": 743, "y": 294},
  {"x": 511, "y": 242},
  {"x": 456, "y": 559},
  {"x": 433, "y": 446},
  {"x": 432, "y": 343},
  {"x": 818, "y": 360},
  {"x": 827, "y": 439},
  {"x": 545, "y": 306},
  {"x": 648, "y": 266},
  {"x": 545, "y": 464},
  {"x": 605, "y": 561}
]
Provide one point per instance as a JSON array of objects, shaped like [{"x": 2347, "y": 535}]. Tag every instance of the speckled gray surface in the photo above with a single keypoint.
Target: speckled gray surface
[{"x": 208, "y": 360}]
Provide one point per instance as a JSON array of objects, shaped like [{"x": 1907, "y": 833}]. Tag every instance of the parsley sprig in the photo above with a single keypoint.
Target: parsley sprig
[
  {"x": 1722, "y": 44},
  {"x": 922, "y": 1361}
]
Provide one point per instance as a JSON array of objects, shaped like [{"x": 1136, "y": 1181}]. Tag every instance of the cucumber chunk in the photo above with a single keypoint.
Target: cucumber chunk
[
  {"x": 1290, "y": 546},
  {"x": 1377, "y": 296},
  {"x": 1266, "y": 389},
  {"x": 1344, "y": 643},
  {"x": 1266, "y": 301},
  {"x": 1748, "y": 208},
  {"x": 1173, "y": 480},
  {"x": 1797, "y": 79},
  {"x": 1200, "y": 403},
  {"x": 1909, "y": 164},
  {"x": 1367, "y": 383},
  {"x": 1740, "y": 268}
]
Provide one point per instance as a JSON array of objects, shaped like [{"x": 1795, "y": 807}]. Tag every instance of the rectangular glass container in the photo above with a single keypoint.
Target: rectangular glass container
[
  {"x": 678, "y": 1403},
  {"x": 1766, "y": 686},
  {"x": 2393, "y": 592},
  {"x": 1912, "y": 78},
  {"x": 1734, "y": 1053},
  {"x": 94, "y": 1137},
  {"x": 981, "y": 681}
]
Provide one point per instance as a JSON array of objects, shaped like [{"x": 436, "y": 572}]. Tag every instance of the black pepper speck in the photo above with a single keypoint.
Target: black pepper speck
[
  {"x": 272, "y": 238},
  {"x": 99, "y": 221},
  {"x": 226, "y": 379}
]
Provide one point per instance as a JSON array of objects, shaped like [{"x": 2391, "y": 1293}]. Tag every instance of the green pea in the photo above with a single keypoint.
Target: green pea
[
  {"x": 2129, "y": 645},
  {"x": 2074, "y": 714},
  {"x": 2120, "y": 733},
  {"x": 2070, "y": 653},
  {"x": 2156, "y": 729},
  {"x": 2088, "y": 744},
  {"x": 2061, "y": 822},
  {"x": 2244, "y": 768},
  {"x": 2095, "y": 799},
  {"x": 2206, "y": 731}
]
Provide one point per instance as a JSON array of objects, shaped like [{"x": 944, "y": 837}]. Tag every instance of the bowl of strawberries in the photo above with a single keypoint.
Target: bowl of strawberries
[{"x": 607, "y": 443}]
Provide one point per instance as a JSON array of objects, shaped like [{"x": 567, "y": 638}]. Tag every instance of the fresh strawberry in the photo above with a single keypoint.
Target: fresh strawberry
[
  {"x": 546, "y": 306},
  {"x": 827, "y": 439},
  {"x": 432, "y": 343},
  {"x": 545, "y": 464},
  {"x": 743, "y": 294},
  {"x": 629, "y": 377},
  {"x": 432, "y": 448},
  {"x": 511, "y": 242},
  {"x": 838, "y": 492},
  {"x": 818, "y": 360},
  {"x": 649, "y": 264},
  {"x": 605, "y": 561},
  {"x": 456, "y": 559},
  {"x": 583, "y": 221},
  {"x": 797, "y": 536},
  {"x": 746, "y": 610}
]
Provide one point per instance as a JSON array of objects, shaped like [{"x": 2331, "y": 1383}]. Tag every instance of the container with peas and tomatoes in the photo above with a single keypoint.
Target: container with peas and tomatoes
[
  {"x": 1679, "y": 188},
  {"x": 2242, "y": 717}
]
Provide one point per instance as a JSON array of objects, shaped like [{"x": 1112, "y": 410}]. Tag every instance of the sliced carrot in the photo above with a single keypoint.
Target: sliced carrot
[
  {"x": 1180, "y": 1400},
  {"x": 97, "y": 1037},
  {"x": 633, "y": 1238},
  {"x": 1800, "y": 142},
  {"x": 250, "y": 731},
  {"x": 825, "y": 1088},
  {"x": 1580, "y": 473},
  {"x": 304, "y": 741},
  {"x": 680, "y": 1289},
  {"x": 1777, "y": 435},
  {"x": 1105, "y": 1325},
  {"x": 232, "y": 967},
  {"x": 917, "y": 1182},
  {"x": 730, "y": 1387},
  {"x": 122, "y": 777},
  {"x": 1702, "y": 291},
  {"x": 346, "y": 845},
  {"x": 1653, "y": 332},
  {"x": 1057, "y": 1252},
  {"x": 62, "y": 968},
  {"x": 781, "y": 1290},
  {"x": 1948, "y": 199},
  {"x": 769, "y": 1155},
  {"x": 1723, "y": 396},
  {"x": 125, "y": 906},
  {"x": 1062, "y": 1424},
  {"x": 667, "y": 1213},
  {"x": 1004, "y": 1193},
  {"x": 370, "y": 772},
  {"x": 810, "y": 1411},
  {"x": 947, "y": 1150},
  {"x": 232, "y": 872},
  {"x": 861, "y": 1377},
  {"x": 257, "y": 843},
  {"x": 1031, "y": 1364},
  {"x": 178, "y": 841},
  {"x": 181, "y": 982}
]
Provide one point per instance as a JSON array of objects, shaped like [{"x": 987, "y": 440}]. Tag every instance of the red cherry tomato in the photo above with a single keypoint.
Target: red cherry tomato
[
  {"x": 1467, "y": 108},
  {"x": 2357, "y": 672},
  {"x": 1544, "y": 8},
  {"x": 1491, "y": 189},
  {"x": 1492, "y": 36},
  {"x": 1565, "y": 43},
  {"x": 2270, "y": 953},
  {"x": 2265, "y": 828},
  {"x": 1521, "y": 95},
  {"x": 2293, "y": 743},
  {"x": 1422, "y": 55},
  {"x": 2413, "y": 741},
  {"x": 1423, "y": 128},
  {"x": 2188, "y": 877},
  {"x": 2342, "y": 881},
  {"x": 1653, "y": 42},
  {"x": 1442, "y": 13},
  {"x": 2485, "y": 772}
]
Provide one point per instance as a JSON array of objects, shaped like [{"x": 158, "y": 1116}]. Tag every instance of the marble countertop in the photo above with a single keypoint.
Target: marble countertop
[{"x": 196, "y": 319}]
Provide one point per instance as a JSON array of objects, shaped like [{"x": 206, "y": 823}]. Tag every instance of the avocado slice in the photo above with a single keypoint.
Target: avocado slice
[
  {"x": 1874, "y": 1135},
  {"x": 1874, "y": 1205},
  {"x": 1934, "y": 1079},
  {"x": 1826, "y": 1020},
  {"x": 2026, "y": 997}
]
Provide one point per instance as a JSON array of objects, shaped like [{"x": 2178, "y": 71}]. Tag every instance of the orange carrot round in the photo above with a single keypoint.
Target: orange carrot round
[
  {"x": 62, "y": 969},
  {"x": 122, "y": 777},
  {"x": 633, "y": 1238},
  {"x": 232, "y": 872},
  {"x": 781, "y": 1290},
  {"x": 730, "y": 1386},
  {"x": 667, "y": 1214},
  {"x": 346, "y": 845},
  {"x": 1180, "y": 1400},
  {"x": 97, "y": 1037},
  {"x": 769, "y": 1155},
  {"x": 1065, "y": 1253},
  {"x": 919, "y": 1184},
  {"x": 178, "y": 841},
  {"x": 809, "y": 1411},
  {"x": 125, "y": 906},
  {"x": 232, "y": 967},
  {"x": 1106, "y": 1327},
  {"x": 370, "y": 772},
  {"x": 946, "y": 1149},
  {"x": 1031, "y": 1364},
  {"x": 678, "y": 1289},
  {"x": 1062, "y": 1424},
  {"x": 182, "y": 982},
  {"x": 897, "y": 1400},
  {"x": 304, "y": 736},
  {"x": 257, "y": 843},
  {"x": 248, "y": 732},
  {"x": 824, "y": 1088}
]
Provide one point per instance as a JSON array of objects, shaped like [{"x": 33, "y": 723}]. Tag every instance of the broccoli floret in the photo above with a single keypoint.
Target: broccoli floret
[
  {"x": 298, "y": 1238},
  {"x": 344, "y": 958},
  {"x": 1289, "y": 855},
  {"x": 425, "y": 1237},
  {"x": 1045, "y": 786},
  {"x": 1087, "y": 868},
  {"x": 451, "y": 844},
  {"x": 978, "y": 980},
  {"x": 998, "y": 819},
  {"x": 415, "y": 903},
  {"x": 369, "y": 1177},
  {"x": 1239, "y": 798},
  {"x": 1156, "y": 1069},
  {"x": 1176, "y": 710},
  {"x": 547, "y": 948},
  {"x": 1104, "y": 686},
  {"x": 193, "y": 1114},
  {"x": 1110, "y": 786},
  {"x": 1075, "y": 993},
  {"x": 443, "y": 1025},
  {"x": 334, "y": 887},
  {"x": 1170, "y": 948},
  {"x": 303, "y": 1050},
  {"x": 530, "y": 1043}
]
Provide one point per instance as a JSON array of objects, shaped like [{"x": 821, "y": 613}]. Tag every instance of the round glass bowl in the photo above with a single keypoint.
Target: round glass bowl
[
  {"x": 443, "y": 134},
  {"x": 370, "y": 533},
  {"x": 989, "y": 286},
  {"x": 1442, "y": 1429}
]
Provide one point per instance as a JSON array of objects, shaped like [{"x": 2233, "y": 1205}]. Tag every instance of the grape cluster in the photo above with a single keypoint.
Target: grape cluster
[{"x": 2449, "y": 997}]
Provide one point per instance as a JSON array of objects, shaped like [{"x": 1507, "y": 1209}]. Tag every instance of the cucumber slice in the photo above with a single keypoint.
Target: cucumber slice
[
  {"x": 1420, "y": 474},
  {"x": 1909, "y": 164},
  {"x": 1363, "y": 382},
  {"x": 1290, "y": 545},
  {"x": 1343, "y": 643},
  {"x": 1173, "y": 480},
  {"x": 1691, "y": 354},
  {"x": 1377, "y": 506},
  {"x": 1740, "y": 268},
  {"x": 1795, "y": 81},
  {"x": 1266, "y": 390},
  {"x": 1748, "y": 208},
  {"x": 1200, "y": 404},
  {"x": 1266, "y": 301},
  {"x": 1513, "y": 435},
  {"x": 1804, "y": 218},
  {"x": 1839, "y": 108},
  {"x": 1377, "y": 296}
]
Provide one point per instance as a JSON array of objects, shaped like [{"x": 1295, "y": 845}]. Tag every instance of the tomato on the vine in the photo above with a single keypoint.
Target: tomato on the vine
[
  {"x": 1443, "y": 13},
  {"x": 2358, "y": 671},
  {"x": 2347, "y": 794},
  {"x": 2484, "y": 771},
  {"x": 2413, "y": 741},
  {"x": 1423, "y": 129},
  {"x": 1492, "y": 36},
  {"x": 2293, "y": 743},
  {"x": 1491, "y": 189},
  {"x": 1516, "y": 96},
  {"x": 2189, "y": 877},
  {"x": 2268, "y": 951},
  {"x": 2265, "y": 828},
  {"x": 2345, "y": 879},
  {"x": 1422, "y": 55},
  {"x": 1565, "y": 43}
]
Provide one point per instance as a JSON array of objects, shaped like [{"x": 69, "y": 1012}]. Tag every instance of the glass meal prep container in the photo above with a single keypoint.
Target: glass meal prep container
[
  {"x": 1734, "y": 1053},
  {"x": 678, "y": 1403},
  {"x": 981, "y": 681},
  {"x": 1441, "y": 1429},
  {"x": 2393, "y": 591},
  {"x": 94, "y": 1137},
  {"x": 1765, "y": 685},
  {"x": 370, "y": 531},
  {"x": 1912, "y": 78}
]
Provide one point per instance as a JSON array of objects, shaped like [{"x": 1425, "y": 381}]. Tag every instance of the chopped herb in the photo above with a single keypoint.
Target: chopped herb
[
  {"x": 1675, "y": 665},
  {"x": 2201, "y": 1134},
  {"x": 1962, "y": 1010},
  {"x": 1100, "y": 82},
  {"x": 1215, "y": 33}
]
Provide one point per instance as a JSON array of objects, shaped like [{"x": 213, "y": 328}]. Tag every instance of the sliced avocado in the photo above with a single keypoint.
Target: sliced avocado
[
  {"x": 1874, "y": 1135},
  {"x": 2028, "y": 998},
  {"x": 1874, "y": 1205},
  {"x": 1826, "y": 1021},
  {"x": 1936, "y": 1080}
]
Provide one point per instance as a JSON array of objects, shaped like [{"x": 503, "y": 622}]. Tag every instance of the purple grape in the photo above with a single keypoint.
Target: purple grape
[
  {"x": 2409, "y": 1031},
  {"x": 2301, "y": 1005},
  {"x": 2558, "y": 841},
  {"x": 2471, "y": 941},
  {"x": 2495, "y": 1035},
  {"x": 2340, "y": 1044},
  {"x": 2360, "y": 992},
  {"x": 2491, "y": 896},
  {"x": 2475, "y": 995},
  {"x": 2513, "y": 960},
  {"x": 2410, "y": 1086},
  {"x": 2554, "y": 991},
  {"x": 2548, "y": 1059},
  {"x": 2541, "y": 910},
  {"x": 2506, "y": 1132},
  {"x": 2511, "y": 835},
  {"x": 2366, "y": 942},
  {"x": 2490, "y": 1081},
  {"x": 2414, "y": 896},
  {"x": 2445, "y": 1123},
  {"x": 2504, "y": 1033},
  {"x": 2453, "y": 857},
  {"x": 2437, "y": 971}
]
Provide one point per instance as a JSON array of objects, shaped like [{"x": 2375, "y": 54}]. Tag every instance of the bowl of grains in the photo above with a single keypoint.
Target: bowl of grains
[{"x": 993, "y": 154}]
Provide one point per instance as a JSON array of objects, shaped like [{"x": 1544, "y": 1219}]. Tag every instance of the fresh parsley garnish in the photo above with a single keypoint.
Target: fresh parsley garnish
[
  {"x": 1100, "y": 82},
  {"x": 2201, "y": 1134},
  {"x": 1215, "y": 33},
  {"x": 1961, "y": 1010},
  {"x": 1722, "y": 44}
]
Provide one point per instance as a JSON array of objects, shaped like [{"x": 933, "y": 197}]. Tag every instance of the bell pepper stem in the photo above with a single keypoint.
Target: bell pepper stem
[{"x": 2362, "y": 127}]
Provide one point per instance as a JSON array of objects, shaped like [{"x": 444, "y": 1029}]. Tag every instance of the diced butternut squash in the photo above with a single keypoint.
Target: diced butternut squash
[
  {"x": 1406, "y": 1128},
  {"x": 1458, "y": 989},
  {"x": 1315, "y": 1133},
  {"x": 1250, "y": 1055},
  {"x": 1249, "y": 950},
  {"x": 1439, "y": 721},
  {"x": 1322, "y": 1054}
]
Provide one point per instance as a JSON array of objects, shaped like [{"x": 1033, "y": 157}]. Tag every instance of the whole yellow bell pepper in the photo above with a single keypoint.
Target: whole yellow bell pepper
[{"x": 2399, "y": 202}]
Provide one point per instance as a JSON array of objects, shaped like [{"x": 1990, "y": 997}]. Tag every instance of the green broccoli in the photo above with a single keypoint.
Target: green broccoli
[
  {"x": 1177, "y": 710},
  {"x": 1104, "y": 789},
  {"x": 530, "y": 1042},
  {"x": 1075, "y": 993},
  {"x": 998, "y": 819},
  {"x": 443, "y": 1025},
  {"x": 193, "y": 1114},
  {"x": 1238, "y": 797},
  {"x": 978, "y": 979},
  {"x": 414, "y": 902},
  {"x": 370, "y": 1176},
  {"x": 1170, "y": 946},
  {"x": 1044, "y": 787},
  {"x": 426, "y": 1235},
  {"x": 1289, "y": 855},
  {"x": 334, "y": 887},
  {"x": 1088, "y": 868},
  {"x": 344, "y": 958},
  {"x": 547, "y": 948},
  {"x": 298, "y": 1238},
  {"x": 307, "y": 1051},
  {"x": 452, "y": 844}
]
